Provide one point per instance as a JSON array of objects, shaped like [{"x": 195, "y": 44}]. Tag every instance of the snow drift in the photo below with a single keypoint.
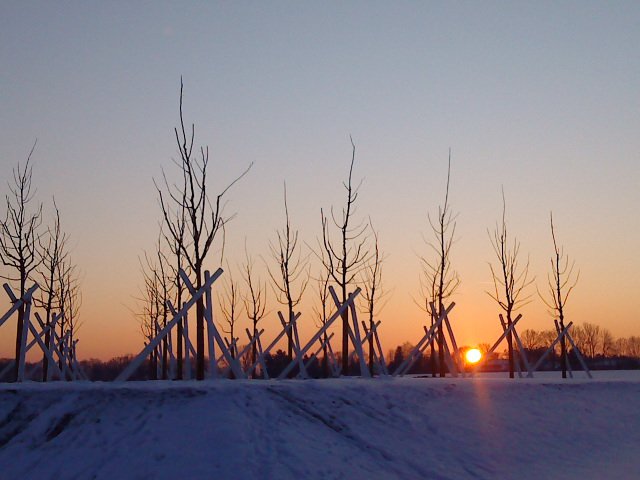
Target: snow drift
[{"x": 321, "y": 429}]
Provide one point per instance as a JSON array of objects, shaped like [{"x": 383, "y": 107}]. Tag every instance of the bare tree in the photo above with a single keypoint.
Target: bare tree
[
  {"x": 510, "y": 279},
  {"x": 346, "y": 257},
  {"x": 291, "y": 281},
  {"x": 607, "y": 343},
  {"x": 255, "y": 300},
  {"x": 531, "y": 339},
  {"x": 229, "y": 306},
  {"x": 151, "y": 307},
  {"x": 164, "y": 283},
  {"x": 373, "y": 292},
  {"x": 561, "y": 283},
  {"x": 69, "y": 300},
  {"x": 52, "y": 252},
  {"x": 204, "y": 218},
  {"x": 175, "y": 240},
  {"x": 19, "y": 235},
  {"x": 590, "y": 338},
  {"x": 437, "y": 272},
  {"x": 322, "y": 316}
]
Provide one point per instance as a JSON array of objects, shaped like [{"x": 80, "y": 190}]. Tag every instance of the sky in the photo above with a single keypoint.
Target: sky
[{"x": 540, "y": 98}]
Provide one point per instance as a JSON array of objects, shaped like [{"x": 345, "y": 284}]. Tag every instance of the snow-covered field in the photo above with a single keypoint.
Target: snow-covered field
[{"x": 411, "y": 428}]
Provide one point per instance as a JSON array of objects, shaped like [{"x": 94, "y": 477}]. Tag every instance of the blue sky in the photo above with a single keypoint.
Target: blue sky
[{"x": 541, "y": 97}]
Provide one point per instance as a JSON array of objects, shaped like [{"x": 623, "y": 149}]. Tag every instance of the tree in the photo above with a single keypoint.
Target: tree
[
  {"x": 439, "y": 280},
  {"x": 607, "y": 343},
  {"x": 561, "y": 283},
  {"x": 229, "y": 303},
  {"x": 590, "y": 338},
  {"x": 164, "y": 282},
  {"x": 175, "y": 240},
  {"x": 69, "y": 300},
  {"x": 254, "y": 302},
  {"x": 322, "y": 316},
  {"x": 531, "y": 339},
  {"x": 373, "y": 293},
  {"x": 151, "y": 308},
  {"x": 345, "y": 258},
  {"x": 19, "y": 236},
  {"x": 204, "y": 217},
  {"x": 291, "y": 281},
  {"x": 509, "y": 278},
  {"x": 52, "y": 252}
]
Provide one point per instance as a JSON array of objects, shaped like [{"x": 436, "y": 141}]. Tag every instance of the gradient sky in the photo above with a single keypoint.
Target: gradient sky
[{"x": 541, "y": 97}]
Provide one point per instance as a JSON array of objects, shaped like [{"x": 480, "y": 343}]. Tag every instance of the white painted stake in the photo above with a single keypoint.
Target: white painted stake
[{"x": 17, "y": 303}]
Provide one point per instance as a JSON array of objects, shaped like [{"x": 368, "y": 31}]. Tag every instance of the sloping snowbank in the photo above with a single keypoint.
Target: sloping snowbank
[{"x": 346, "y": 428}]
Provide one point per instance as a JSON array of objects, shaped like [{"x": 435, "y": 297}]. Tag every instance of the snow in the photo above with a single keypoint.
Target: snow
[{"x": 467, "y": 428}]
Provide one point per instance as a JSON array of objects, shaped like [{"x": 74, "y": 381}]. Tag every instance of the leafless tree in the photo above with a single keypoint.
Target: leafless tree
[
  {"x": 373, "y": 293},
  {"x": 561, "y": 283},
  {"x": 175, "y": 240},
  {"x": 628, "y": 347},
  {"x": 255, "y": 301},
  {"x": 229, "y": 306},
  {"x": 531, "y": 339},
  {"x": 510, "y": 278},
  {"x": 322, "y": 315},
  {"x": 438, "y": 276},
  {"x": 164, "y": 283},
  {"x": 70, "y": 301},
  {"x": 19, "y": 236},
  {"x": 290, "y": 282},
  {"x": 204, "y": 218},
  {"x": 590, "y": 339},
  {"x": 607, "y": 343},
  {"x": 150, "y": 313},
  {"x": 346, "y": 257},
  {"x": 53, "y": 251}
]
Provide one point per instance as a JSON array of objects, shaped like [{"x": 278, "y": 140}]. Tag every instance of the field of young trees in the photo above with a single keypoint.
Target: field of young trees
[{"x": 343, "y": 271}]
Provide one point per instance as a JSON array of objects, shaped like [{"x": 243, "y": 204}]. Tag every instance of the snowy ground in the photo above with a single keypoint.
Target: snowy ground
[{"x": 410, "y": 428}]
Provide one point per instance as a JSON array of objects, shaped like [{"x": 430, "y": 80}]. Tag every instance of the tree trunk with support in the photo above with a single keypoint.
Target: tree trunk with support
[
  {"x": 438, "y": 281},
  {"x": 561, "y": 283},
  {"x": 19, "y": 236},
  {"x": 345, "y": 262},
  {"x": 204, "y": 218},
  {"x": 512, "y": 279}
]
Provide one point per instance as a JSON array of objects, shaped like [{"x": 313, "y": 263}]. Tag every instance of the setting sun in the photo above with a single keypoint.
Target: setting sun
[{"x": 473, "y": 355}]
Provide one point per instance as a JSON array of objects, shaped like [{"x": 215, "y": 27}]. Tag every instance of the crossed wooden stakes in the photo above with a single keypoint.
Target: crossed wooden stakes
[
  {"x": 229, "y": 347},
  {"x": 520, "y": 352},
  {"x": 563, "y": 333},
  {"x": 213, "y": 336},
  {"x": 323, "y": 339},
  {"x": 452, "y": 355},
  {"x": 60, "y": 353}
]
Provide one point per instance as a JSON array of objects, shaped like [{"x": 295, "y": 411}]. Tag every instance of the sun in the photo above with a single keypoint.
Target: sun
[{"x": 473, "y": 355}]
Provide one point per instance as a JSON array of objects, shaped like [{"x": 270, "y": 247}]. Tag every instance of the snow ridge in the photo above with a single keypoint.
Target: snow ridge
[{"x": 402, "y": 428}]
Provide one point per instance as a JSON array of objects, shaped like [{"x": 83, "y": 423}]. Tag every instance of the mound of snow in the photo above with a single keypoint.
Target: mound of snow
[{"x": 322, "y": 429}]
